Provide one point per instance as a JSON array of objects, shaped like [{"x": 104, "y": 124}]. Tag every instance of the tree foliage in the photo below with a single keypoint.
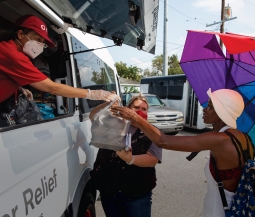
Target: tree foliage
[
  {"x": 157, "y": 63},
  {"x": 131, "y": 72},
  {"x": 122, "y": 69},
  {"x": 173, "y": 64},
  {"x": 135, "y": 73},
  {"x": 148, "y": 73},
  {"x": 131, "y": 89}
]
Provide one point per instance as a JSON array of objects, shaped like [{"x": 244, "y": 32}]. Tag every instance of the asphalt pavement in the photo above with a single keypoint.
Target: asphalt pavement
[{"x": 181, "y": 184}]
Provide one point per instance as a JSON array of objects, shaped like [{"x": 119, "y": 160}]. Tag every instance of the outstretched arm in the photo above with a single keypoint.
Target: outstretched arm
[
  {"x": 54, "y": 88},
  {"x": 205, "y": 141}
]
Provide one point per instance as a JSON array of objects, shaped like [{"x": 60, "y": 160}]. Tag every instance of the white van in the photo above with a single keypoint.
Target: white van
[{"x": 45, "y": 165}]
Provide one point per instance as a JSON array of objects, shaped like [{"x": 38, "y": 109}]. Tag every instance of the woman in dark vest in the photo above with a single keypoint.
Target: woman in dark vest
[{"x": 126, "y": 179}]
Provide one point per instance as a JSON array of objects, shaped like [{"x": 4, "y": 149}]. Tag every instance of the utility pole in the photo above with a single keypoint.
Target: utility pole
[
  {"x": 222, "y": 18},
  {"x": 226, "y": 15},
  {"x": 165, "y": 57}
]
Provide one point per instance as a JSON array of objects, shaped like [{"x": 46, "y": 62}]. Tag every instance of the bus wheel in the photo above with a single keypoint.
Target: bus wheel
[{"x": 87, "y": 206}]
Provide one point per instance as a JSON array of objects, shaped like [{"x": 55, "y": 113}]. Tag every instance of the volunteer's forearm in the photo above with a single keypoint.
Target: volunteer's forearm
[{"x": 59, "y": 89}]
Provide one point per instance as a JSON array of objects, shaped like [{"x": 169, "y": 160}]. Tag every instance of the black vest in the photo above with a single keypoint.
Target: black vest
[{"x": 111, "y": 174}]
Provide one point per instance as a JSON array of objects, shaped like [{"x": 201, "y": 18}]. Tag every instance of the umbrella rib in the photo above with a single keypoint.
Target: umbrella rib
[
  {"x": 252, "y": 56},
  {"x": 248, "y": 103},
  {"x": 191, "y": 61},
  {"x": 243, "y": 68}
]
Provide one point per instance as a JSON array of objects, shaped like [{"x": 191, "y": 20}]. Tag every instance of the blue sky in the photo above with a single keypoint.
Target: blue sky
[{"x": 186, "y": 15}]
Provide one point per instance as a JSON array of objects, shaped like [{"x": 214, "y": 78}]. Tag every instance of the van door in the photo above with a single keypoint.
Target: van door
[{"x": 133, "y": 23}]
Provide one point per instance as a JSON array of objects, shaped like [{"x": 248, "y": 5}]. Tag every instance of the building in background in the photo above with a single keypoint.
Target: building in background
[{"x": 129, "y": 86}]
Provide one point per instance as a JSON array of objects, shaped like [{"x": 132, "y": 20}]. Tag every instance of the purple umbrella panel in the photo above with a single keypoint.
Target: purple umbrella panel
[{"x": 206, "y": 66}]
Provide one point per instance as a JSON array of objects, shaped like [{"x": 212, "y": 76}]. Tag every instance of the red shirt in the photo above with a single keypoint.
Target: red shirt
[{"x": 16, "y": 70}]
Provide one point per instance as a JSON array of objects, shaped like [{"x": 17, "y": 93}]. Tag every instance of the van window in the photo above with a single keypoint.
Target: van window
[{"x": 92, "y": 72}]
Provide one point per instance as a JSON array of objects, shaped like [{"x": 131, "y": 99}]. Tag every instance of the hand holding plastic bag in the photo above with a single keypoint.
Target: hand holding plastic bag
[
  {"x": 27, "y": 93},
  {"x": 101, "y": 95}
]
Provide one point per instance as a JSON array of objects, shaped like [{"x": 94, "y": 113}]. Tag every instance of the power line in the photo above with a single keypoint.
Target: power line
[
  {"x": 185, "y": 15},
  {"x": 249, "y": 2},
  {"x": 149, "y": 59},
  {"x": 170, "y": 43}
]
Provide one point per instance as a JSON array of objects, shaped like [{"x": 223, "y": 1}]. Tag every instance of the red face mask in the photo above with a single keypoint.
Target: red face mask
[{"x": 142, "y": 114}]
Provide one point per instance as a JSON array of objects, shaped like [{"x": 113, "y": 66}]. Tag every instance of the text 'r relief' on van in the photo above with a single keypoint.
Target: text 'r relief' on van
[{"x": 45, "y": 164}]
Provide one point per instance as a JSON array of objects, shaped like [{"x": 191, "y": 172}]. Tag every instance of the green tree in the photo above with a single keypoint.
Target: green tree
[
  {"x": 131, "y": 89},
  {"x": 157, "y": 63},
  {"x": 134, "y": 73},
  {"x": 148, "y": 73},
  {"x": 131, "y": 72},
  {"x": 122, "y": 69},
  {"x": 173, "y": 64}
]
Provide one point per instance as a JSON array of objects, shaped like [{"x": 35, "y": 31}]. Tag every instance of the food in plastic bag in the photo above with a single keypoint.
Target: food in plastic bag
[{"x": 109, "y": 131}]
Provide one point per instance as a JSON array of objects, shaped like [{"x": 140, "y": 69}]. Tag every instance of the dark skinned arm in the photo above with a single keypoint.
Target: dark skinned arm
[{"x": 206, "y": 141}]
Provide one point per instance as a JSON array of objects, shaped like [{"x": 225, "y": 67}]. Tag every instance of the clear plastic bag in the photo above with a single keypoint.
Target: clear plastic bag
[{"x": 108, "y": 131}]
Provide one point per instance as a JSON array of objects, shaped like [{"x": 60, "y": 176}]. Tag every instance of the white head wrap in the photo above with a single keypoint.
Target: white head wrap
[{"x": 228, "y": 104}]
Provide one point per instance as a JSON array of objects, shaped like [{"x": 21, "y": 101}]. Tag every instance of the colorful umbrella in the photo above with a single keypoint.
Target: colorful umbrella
[
  {"x": 235, "y": 43},
  {"x": 206, "y": 66}
]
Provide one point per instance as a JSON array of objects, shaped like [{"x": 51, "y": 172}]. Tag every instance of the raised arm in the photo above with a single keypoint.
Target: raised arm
[{"x": 97, "y": 109}]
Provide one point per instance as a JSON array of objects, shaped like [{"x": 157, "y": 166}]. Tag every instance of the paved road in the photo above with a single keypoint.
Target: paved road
[{"x": 181, "y": 184}]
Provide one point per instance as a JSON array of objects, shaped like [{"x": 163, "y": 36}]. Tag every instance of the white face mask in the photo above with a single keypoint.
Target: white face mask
[{"x": 33, "y": 48}]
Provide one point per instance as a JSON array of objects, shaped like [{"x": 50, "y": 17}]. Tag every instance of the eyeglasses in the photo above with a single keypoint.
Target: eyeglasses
[{"x": 42, "y": 44}]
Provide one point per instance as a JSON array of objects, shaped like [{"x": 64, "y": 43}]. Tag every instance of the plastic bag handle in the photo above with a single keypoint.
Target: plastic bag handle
[{"x": 106, "y": 108}]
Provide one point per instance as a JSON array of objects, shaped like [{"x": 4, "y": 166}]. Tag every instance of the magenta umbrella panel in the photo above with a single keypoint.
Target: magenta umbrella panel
[{"x": 206, "y": 66}]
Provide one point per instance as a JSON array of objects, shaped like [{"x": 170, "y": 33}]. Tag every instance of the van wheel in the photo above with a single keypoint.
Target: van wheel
[{"x": 87, "y": 206}]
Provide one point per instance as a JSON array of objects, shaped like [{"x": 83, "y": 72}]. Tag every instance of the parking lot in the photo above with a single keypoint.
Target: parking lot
[{"x": 181, "y": 184}]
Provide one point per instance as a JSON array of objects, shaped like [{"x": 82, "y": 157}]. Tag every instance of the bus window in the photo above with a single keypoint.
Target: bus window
[
  {"x": 175, "y": 89},
  {"x": 151, "y": 88},
  {"x": 161, "y": 89}
]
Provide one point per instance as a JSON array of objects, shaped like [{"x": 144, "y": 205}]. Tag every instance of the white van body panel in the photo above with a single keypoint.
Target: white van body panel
[{"x": 47, "y": 152}]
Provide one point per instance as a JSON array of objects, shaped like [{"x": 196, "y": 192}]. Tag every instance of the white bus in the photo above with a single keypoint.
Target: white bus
[
  {"x": 176, "y": 92},
  {"x": 45, "y": 165}
]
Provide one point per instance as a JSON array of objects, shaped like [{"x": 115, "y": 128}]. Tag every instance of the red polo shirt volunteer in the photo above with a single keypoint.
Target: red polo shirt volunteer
[{"x": 16, "y": 70}]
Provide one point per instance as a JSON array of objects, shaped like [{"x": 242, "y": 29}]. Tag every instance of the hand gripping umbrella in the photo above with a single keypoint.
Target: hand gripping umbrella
[{"x": 206, "y": 66}]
